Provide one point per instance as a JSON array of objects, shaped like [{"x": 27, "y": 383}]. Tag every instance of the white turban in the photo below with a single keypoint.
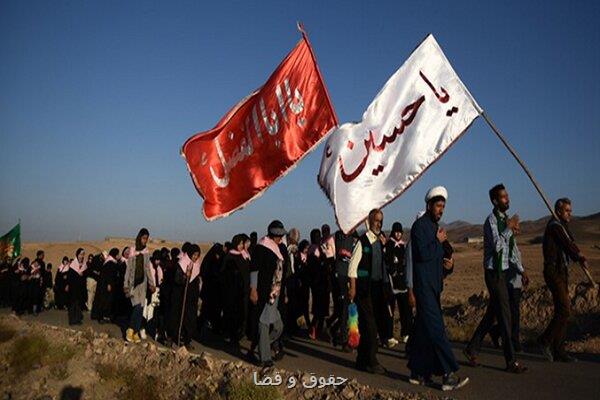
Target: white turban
[{"x": 435, "y": 192}]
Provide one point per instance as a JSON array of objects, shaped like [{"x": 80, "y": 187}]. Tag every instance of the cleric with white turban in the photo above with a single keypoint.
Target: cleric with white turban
[{"x": 429, "y": 351}]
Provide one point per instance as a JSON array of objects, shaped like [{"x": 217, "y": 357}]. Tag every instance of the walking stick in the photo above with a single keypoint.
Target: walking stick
[
  {"x": 532, "y": 179},
  {"x": 182, "y": 309}
]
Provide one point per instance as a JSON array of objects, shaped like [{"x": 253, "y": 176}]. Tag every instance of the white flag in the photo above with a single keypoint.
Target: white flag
[{"x": 420, "y": 112}]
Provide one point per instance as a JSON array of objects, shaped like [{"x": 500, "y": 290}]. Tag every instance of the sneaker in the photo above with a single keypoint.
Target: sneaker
[
  {"x": 453, "y": 382},
  {"x": 129, "y": 335},
  {"x": 419, "y": 380},
  {"x": 143, "y": 334},
  {"x": 516, "y": 368},
  {"x": 391, "y": 342},
  {"x": 564, "y": 357},
  {"x": 471, "y": 358},
  {"x": 546, "y": 351},
  {"x": 136, "y": 338}
]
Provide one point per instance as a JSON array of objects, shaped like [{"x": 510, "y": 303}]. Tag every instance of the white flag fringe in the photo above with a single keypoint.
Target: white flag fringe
[{"x": 420, "y": 112}]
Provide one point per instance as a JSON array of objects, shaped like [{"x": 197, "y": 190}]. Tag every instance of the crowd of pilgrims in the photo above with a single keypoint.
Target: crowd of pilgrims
[
  {"x": 280, "y": 286},
  {"x": 147, "y": 290}
]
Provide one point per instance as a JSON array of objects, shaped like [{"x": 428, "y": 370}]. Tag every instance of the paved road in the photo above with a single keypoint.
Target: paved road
[{"x": 545, "y": 380}]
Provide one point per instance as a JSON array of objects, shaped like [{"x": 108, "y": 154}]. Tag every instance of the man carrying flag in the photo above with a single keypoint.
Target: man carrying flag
[{"x": 263, "y": 136}]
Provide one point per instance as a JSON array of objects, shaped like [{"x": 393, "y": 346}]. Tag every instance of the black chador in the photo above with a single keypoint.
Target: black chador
[
  {"x": 60, "y": 282},
  {"x": 236, "y": 289},
  {"x": 18, "y": 293},
  {"x": 34, "y": 289},
  {"x": 76, "y": 291},
  {"x": 121, "y": 304},
  {"x": 102, "y": 308},
  {"x": 186, "y": 274},
  {"x": 210, "y": 312}
]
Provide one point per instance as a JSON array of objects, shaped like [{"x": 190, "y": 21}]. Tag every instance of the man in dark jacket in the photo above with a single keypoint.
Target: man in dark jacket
[
  {"x": 559, "y": 250},
  {"x": 267, "y": 290}
]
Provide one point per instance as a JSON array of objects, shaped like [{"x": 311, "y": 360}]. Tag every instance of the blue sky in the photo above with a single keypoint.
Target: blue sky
[{"x": 98, "y": 96}]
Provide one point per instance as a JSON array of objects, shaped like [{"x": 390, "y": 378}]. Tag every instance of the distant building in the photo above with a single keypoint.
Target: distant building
[{"x": 475, "y": 240}]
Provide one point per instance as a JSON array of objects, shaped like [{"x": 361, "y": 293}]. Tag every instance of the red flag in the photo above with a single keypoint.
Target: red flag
[{"x": 262, "y": 137}]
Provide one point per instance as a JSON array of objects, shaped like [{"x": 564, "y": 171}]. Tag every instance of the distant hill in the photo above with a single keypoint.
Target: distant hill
[{"x": 585, "y": 229}]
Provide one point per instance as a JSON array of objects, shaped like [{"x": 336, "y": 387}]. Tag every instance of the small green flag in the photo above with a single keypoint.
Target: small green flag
[{"x": 10, "y": 244}]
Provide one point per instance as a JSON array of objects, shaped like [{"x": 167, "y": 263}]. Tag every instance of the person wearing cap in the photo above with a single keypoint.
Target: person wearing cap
[
  {"x": 395, "y": 250},
  {"x": 366, "y": 272},
  {"x": 269, "y": 268},
  {"x": 500, "y": 252},
  {"x": 428, "y": 348}
]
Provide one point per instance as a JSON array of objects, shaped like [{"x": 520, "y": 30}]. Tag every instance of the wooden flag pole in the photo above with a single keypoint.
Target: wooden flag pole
[
  {"x": 182, "y": 309},
  {"x": 512, "y": 151}
]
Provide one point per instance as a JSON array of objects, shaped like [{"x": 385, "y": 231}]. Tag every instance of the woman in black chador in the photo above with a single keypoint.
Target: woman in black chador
[
  {"x": 60, "y": 282},
  {"x": 105, "y": 291},
  {"x": 186, "y": 274},
  {"x": 236, "y": 289},
  {"x": 76, "y": 289},
  {"x": 210, "y": 311},
  {"x": 19, "y": 281}
]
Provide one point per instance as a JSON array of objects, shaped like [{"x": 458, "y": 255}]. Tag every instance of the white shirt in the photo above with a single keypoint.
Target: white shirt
[{"x": 357, "y": 254}]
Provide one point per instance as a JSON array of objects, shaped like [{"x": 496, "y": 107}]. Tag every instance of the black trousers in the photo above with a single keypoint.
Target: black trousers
[
  {"x": 367, "y": 346},
  {"x": 335, "y": 297},
  {"x": 405, "y": 311},
  {"x": 339, "y": 329},
  {"x": 381, "y": 309},
  {"x": 498, "y": 309},
  {"x": 514, "y": 301}
]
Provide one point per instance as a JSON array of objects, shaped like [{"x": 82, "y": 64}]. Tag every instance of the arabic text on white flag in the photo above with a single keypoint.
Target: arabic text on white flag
[{"x": 419, "y": 113}]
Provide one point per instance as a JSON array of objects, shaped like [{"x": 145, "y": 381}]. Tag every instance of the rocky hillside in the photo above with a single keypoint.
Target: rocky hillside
[
  {"x": 536, "y": 311},
  {"x": 38, "y": 361}
]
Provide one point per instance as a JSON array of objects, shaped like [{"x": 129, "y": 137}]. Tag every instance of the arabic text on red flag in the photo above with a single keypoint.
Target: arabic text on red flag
[{"x": 262, "y": 137}]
